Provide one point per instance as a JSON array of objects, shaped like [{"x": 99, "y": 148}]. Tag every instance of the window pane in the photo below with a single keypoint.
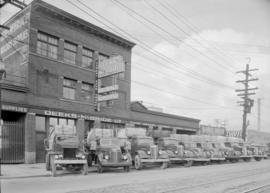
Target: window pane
[
  {"x": 69, "y": 57},
  {"x": 71, "y": 122},
  {"x": 70, "y": 46},
  {"x": 52, "y": 51},
  {"x": 69, "y": 93},
  {"x": 62, "y": 122},
  {"x": 87, "y": 62},
  {"x": 53, "y": 121}
]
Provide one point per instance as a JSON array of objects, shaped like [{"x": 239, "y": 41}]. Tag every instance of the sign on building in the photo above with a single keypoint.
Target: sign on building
[{"x": 113, "y": 65}]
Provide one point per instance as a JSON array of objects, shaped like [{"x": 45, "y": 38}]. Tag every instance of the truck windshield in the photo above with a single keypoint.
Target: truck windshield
[
  {"x": 145, "y": 141},
  {"x": 109, "y": 142},
  {"x": 170, "y": 142},
  {"x": 190, "y": 145}
]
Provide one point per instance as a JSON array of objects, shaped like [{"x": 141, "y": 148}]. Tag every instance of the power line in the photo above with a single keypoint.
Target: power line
[{"x": 147, "y": 48}]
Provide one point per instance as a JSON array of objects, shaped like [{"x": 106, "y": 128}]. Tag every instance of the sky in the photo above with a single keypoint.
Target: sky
[{"x": 187, "y": 52}]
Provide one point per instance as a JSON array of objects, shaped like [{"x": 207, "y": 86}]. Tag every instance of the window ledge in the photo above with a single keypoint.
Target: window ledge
[
  {"x": 55, "y": 60},
  {"x": 76, "y": 101}
]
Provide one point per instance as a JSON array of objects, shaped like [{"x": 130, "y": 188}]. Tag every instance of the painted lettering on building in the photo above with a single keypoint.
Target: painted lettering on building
[
  {"x": 80, "y": 116},
  {"x": 14, "y": 108}
]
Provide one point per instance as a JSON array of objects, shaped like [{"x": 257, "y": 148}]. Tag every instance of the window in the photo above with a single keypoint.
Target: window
[
  {"x": 53, "y": 122},
  {"x": 69, "y": 88},
  {"x": 102, "y": 57},
  {"x": 87, "y": 91},
  {"x": 87, "y": 58},
  {"x": 70, "y": 53},
  {"x": 47, "y": 45}
]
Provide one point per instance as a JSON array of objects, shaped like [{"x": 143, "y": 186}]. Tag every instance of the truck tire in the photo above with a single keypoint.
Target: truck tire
[
  {"x": 100, "y": 168},
  {"x": 47, "y": 159},
  {"x": 85, "y": 169},
  {"x": 137, "y": 162},
  {"x": 164, "y": 165},
  {"x": 89, "y": 160},
  {"x": 126, "y": 168},
  {"x": 53, "y": 166},
  {"x": 258, "y": 159}
]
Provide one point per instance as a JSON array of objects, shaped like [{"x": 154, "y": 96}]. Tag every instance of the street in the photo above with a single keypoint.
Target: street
[{"x": 225, "y": 178}]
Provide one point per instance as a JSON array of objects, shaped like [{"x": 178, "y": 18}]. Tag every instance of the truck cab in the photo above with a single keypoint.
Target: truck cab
[
  {"x": 104, "y": 150},
  {"x": 63, "y": 149}
]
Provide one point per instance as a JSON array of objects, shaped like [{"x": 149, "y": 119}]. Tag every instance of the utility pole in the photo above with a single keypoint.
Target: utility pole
[
  {"x": 259, "y": 114},
  {"x": 247, "y": 103}
]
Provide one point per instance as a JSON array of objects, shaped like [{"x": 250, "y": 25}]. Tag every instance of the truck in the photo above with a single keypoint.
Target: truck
[
  {"x": 258, "y": 151},
  {"x": 64, "y": 150},
  {"x": 143, "y": 149},
  {"x": 192, "y": 151},
  {"x": 105, "y": 150},
  {"x": 216, "y": 154}
]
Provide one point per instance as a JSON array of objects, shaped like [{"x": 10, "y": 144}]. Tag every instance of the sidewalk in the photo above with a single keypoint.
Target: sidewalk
[{"x": 10, "y": 171}]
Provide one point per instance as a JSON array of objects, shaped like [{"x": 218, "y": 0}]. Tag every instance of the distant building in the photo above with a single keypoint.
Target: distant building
[
  {"x": 211, "y": 130},
  {"x": 258, "y": 137}
]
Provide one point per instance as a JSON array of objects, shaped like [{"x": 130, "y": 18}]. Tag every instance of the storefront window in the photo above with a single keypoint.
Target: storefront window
[{"x": 61, "y": 121}]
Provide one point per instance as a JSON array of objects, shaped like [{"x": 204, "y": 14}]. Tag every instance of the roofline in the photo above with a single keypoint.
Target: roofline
[
  {"x": 166, "y": 115},
  {"x": 82, "y": 22}
]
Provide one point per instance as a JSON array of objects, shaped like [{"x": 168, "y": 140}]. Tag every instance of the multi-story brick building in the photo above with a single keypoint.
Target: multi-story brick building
[{"x": 53, "y": 61}]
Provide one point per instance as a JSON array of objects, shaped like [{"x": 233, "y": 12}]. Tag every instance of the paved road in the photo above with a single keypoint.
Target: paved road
[{"x": 224, "y": 178}]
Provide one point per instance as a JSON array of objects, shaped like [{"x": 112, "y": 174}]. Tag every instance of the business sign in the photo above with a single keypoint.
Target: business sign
[
  {"x": 113, "y": 65},
  {"x": 16, "y": 39},
  {"x": 80, "y": 116},
  {"x": 108, "y": 89},
  {"x": 108, "y": 97},
  {"x": 14, "y": 108},
  {"x": 96, "y": 62}
]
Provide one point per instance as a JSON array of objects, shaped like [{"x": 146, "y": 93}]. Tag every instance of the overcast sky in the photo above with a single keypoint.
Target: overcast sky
[{"x": 188, "y": 51}]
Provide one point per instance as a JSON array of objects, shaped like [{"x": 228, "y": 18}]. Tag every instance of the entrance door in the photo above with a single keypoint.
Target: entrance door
[
  {"x": 12, "y": 142},
  {"x": 40, "y": 136}
]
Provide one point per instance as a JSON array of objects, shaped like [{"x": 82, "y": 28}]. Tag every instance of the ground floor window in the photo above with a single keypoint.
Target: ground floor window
[
  {"x": 53, "y": 121},
  {"x": 107, "y": 125}
]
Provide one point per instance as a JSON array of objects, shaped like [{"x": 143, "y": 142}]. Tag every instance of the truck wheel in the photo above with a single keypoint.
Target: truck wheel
[
  {"x": 189, "y": 163},
  {"x": 164, "y": 165},
  {"x": 126, "y": 168},
  {"x": 258, "y": 159},
  {"x": 247, "y": 159},
  {"x": 137, "y": 162},
  {"x": 89, "y": 160},
  {"x": 47, "y": 159},
  {"x": 99, "y": 167},
  {"x": 53, "y": 166},
  {"x": 85, "y": 169}
]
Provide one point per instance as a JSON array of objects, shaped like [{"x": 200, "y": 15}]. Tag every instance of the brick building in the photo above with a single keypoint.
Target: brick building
[{"x": 53, "y": 62}]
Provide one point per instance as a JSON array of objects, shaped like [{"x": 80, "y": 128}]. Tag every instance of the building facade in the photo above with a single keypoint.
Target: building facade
[{"x": 62, "y": 70}]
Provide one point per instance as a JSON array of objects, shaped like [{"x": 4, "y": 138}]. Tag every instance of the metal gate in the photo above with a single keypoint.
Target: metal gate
[{"x": 12, "y": 142}]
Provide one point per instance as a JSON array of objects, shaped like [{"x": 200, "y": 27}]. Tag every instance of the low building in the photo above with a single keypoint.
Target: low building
[
  {"x": 211, "y": 130},
  {"x": 62, "y": 70}
]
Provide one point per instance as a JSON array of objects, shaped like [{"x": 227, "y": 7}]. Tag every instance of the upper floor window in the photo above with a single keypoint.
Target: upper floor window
[
  {"x": 87, "y": 58},
  {"x": 87, "y": 91},
  {"x": 69, "y": 88},
  {"x": 102, "y": 57},
  {"x": 47, "y": 45},
  {"x": 70, "y": 52}
]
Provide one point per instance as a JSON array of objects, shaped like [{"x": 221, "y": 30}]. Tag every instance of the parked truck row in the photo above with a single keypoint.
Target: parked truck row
[{"x": 127, "y": 147}]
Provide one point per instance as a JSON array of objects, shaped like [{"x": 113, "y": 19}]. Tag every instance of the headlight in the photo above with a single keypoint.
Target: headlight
[
  {"x": 83, "y": 156},
  {"x": 106, "y": 156},
  {"x": 159, "y": 152},
  {"x": 80, "y": 156},
  {"x": 124, "y": 157},
  {"x": 56, "y": 156},
  {"x": 148, "y": 152},
  {"x": 176, "y": 152}
]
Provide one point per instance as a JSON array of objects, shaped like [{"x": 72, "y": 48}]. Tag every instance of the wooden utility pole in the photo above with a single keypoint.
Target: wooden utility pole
[{"x": 247, "y": 103}]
